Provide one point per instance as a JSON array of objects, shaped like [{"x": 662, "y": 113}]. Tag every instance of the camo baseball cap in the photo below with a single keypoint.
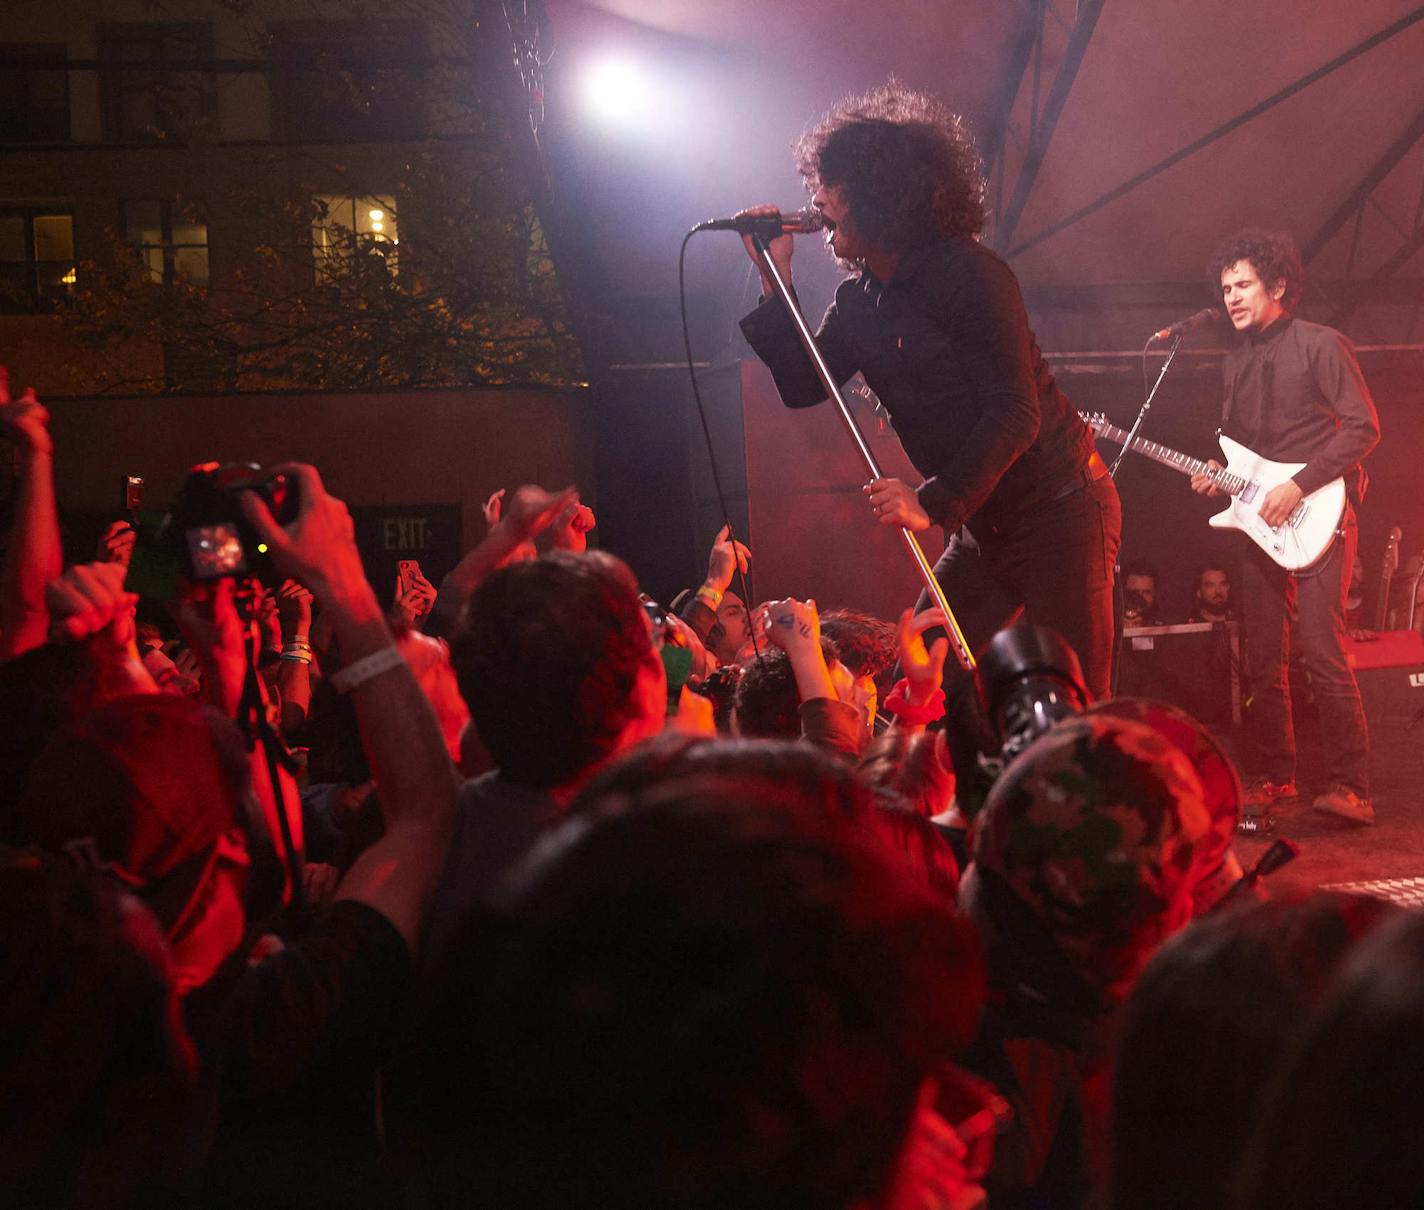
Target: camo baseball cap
[
  {"x": 1221, "y": 784},
  {"x": 1098, "y": 826}
]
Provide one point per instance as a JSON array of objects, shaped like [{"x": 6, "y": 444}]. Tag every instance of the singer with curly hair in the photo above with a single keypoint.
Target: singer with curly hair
[{"x": 936, "y": 324}]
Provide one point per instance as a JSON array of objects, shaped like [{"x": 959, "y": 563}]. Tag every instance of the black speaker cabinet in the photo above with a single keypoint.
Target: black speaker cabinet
[{"x": 1195, "y": 666}]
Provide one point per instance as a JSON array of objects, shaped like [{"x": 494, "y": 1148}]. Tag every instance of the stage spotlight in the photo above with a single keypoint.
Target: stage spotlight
[{"x": 616, "y": 90}]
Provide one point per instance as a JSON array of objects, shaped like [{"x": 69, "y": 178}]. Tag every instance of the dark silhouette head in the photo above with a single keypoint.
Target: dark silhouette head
[{"x": 557, "y": 665}]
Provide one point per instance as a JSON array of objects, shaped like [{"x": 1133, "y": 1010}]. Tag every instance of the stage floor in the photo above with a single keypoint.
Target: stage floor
[{"x": 1334, "y": 851}]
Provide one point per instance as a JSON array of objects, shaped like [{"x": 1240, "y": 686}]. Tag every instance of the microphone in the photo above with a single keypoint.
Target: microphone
[
  {"x": 769, "y": 226},
  {"x": 1207, "y": 315}
]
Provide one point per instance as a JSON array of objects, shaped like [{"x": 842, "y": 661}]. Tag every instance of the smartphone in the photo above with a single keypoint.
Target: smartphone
[
  {"x": 407, "y": 571},
  {"x": 132, "y": 498}
]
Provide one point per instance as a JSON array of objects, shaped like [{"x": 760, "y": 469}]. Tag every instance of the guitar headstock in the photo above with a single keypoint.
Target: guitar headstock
[
  {"x": 1097, "y": 421},
  {"x": 1391, "y": 553}
]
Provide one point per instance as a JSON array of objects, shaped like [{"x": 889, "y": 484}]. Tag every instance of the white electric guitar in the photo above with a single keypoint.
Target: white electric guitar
[{"x": 1307, "y": 534}]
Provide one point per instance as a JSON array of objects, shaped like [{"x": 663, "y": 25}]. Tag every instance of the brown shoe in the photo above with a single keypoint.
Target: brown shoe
[
  {"x": 1344, "y": 802},
  {"x": 1261, "y": 792}
]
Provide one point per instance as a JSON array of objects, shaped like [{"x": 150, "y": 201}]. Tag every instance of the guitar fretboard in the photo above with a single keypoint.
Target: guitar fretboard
[{"x": 1178, "y": 461}]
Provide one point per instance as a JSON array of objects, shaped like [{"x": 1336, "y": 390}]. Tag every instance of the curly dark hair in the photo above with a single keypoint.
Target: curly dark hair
[
  {"x": 907, "y": 164},
  {"x": 768, "y": 703},
  {"x": 1272, "y": 254},
  {"x": 866, "y": 645}
]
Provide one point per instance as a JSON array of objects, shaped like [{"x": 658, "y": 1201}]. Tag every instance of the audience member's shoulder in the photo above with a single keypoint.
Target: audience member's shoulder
[{"x": 493, "y": 790}]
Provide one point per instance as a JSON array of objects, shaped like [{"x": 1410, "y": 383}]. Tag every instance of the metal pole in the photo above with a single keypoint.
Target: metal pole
[
  {"x": 1145, "y": 408},
  {"x": 833, "y": 392}
]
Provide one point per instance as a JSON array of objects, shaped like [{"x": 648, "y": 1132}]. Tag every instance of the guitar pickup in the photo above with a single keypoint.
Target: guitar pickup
[
  {"x": 1248, "y": 493},
  {"x": 1300, "y": 514}
]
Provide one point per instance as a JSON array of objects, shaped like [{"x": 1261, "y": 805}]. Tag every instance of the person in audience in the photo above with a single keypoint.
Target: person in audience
[
  {"x": 154, "y": 791},
  {"x": 1339, "y": 1122},
  {"x": 557, "y": 665},
  {"x": 1139, "y": 594},
  {"x": 1211, "y": 598},
  {"x": 1209, "y": 1020},
  {"x": 1086, "y": 854},
  {"x": 866, "y": 646},
  {"x": 1221, "y": 790},
  {"x": 711, "y": 986},
  {"x": 808, "y": 692},
  {"x": 96, "y": 1070},
  {"x": 716, "y": 613},
  {"x": 911, "y": 764}
]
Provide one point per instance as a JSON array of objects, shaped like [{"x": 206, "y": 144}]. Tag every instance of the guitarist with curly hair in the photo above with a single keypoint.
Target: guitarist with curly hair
[{"x": 1294, "y": 393}]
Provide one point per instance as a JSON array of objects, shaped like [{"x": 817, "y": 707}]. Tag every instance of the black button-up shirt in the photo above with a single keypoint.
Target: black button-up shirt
[
  {"x": 946, "y": 346},
  {"x": 1294, "y": 393}
]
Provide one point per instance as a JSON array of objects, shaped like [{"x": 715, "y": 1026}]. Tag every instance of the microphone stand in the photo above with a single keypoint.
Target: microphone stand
[
  {"x": 1119, "y": 605},
  {"x": 1146, "y": 406},
  {"x": 808, "y": 340}
]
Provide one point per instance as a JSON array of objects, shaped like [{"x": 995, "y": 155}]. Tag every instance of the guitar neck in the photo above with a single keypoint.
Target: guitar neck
[{"x": 1177, "y": 460}]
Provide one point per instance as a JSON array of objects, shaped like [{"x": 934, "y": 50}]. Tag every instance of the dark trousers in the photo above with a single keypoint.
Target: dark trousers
[
  {"x": 1055, "y": 568},
  {"x": 1272, "y": 600}
]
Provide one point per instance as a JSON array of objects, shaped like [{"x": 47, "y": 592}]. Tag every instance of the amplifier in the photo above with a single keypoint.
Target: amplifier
[
  {"x": 1390, "y": 670},
  {"x": 1196, "y": 666}
]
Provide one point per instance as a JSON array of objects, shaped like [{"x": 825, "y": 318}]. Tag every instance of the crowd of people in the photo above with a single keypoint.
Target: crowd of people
[{"x": 524, "y": 891}]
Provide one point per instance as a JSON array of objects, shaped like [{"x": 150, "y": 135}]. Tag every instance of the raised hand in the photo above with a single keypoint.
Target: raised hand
[
  {"x": 728, "y": 557},
  {"x": 319, "y": 547},
  {"x": 88, "y": 604},
  {"x": 24, "y": 421},
  {"x": 531, "y": 509},
  {"x": 415, "y": 602},
  {"x": 116, "y": 544},
  {"x": 89, "y": 600},
  {"x": 792, "y": 625},
  {"x": 571, "y": 528},
  {"x": 294, "y": 609},
  {"x": 207, "y": 616},
  {"x": 493, "y": 507},
  {"x": 923, "y": 668}
]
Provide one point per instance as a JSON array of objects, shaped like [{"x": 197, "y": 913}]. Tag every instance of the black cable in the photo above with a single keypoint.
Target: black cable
[{"x": 737, "y": 570}]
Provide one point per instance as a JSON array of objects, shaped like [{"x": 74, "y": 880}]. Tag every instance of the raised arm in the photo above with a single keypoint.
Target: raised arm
[
  {"x": 33, "y": 558},
  {"x": 416, "y": 781},
  {"x": 530, "y": 511}
]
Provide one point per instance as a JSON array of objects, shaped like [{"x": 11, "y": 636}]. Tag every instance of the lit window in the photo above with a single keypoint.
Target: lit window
[
  {"x": 172, "y": 247},
  {"x": 37, "y": 267},
  {"x": 348, "y": 232}
]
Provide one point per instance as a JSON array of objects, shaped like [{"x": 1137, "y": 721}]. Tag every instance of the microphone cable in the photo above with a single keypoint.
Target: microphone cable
[{"x": 741, "y": 575}]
